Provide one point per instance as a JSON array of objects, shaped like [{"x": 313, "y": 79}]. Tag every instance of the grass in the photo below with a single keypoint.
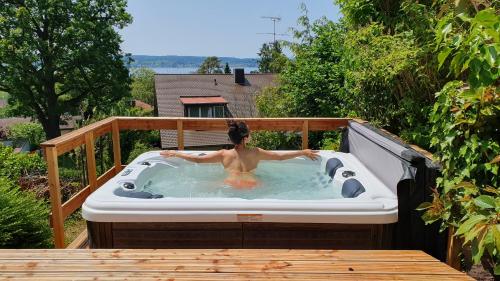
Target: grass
[{"x": 73, "y": 226}]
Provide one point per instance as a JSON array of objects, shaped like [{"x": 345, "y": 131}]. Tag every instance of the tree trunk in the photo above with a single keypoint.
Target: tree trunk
[{"x": 51, "y": 126}]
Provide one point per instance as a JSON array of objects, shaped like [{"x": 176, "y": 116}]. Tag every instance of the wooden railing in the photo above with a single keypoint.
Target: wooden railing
[{"x": 88, "y": 134}]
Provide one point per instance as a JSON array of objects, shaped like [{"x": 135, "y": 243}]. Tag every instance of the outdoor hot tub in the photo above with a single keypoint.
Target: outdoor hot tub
[{"x": 336, "y": 201}]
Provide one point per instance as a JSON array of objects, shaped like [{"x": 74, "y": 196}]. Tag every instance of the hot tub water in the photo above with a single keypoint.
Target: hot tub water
[{"x": 291, "y": 180}]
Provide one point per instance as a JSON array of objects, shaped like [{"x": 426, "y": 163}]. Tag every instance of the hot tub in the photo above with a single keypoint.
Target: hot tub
[{"x": 154, "y": 202}]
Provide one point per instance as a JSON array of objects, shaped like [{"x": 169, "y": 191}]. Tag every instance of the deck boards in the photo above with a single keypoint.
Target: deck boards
[{"x": 213, "y": 264}]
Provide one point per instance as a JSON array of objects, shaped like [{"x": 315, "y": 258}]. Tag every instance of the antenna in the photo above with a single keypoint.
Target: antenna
[{"x": 274, "y": 19}]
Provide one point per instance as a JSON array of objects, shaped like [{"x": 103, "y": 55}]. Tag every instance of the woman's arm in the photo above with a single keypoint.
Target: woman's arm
[
  {"x": 271, "y": 155},
  {"x": 213, "y": 157}
]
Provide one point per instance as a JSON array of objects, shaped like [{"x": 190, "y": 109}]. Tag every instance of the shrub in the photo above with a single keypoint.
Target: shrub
[
  {"x": 23, "y": 218},
  {"x": 14, "y": 165},
  {"x": 32, "y": 132},
  {"x": 275, "y": 140},
  {"x": 465, "y": 132},
  {"x": 139, "y": 148}
]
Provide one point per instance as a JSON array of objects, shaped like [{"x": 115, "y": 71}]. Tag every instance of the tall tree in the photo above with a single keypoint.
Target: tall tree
[
  {"x": 227, "y": 70},
  {"x": 272, "y": 59},
  {"x": 143, "y": 87},
  {"x": 61, "y": 57},
  {"x": 211, "y": 65}
]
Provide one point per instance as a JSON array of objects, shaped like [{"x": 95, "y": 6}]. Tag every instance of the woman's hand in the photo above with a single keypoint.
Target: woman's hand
[
  {"x": 168, "y": 153},
  {"x": 311, "y": 154}
]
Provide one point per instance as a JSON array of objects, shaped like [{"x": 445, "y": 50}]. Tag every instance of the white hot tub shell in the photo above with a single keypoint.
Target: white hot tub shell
[{"x": 377, "y": 205}]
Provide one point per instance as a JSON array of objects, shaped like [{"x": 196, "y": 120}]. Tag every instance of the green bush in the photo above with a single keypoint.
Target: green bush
[
  {"x": 383, "y": 80},
  {"x": 139, "y": 148},
  {"x": 14, "y": 165},
  {"x": 275, "y": 140},
  {"x": 23, "y": 218},
  {"x": 465, "y": 132},
  {"x": 3, "y": 112},
  {"x": 32, "y": 132}
]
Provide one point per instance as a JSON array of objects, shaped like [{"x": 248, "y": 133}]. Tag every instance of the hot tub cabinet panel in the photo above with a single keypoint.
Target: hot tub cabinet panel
[{"x": 233, "y": 235}]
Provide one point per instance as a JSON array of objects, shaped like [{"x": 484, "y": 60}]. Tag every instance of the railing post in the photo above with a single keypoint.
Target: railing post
[
  {"x": 117, "y": 156},
  {"x": 91, "y": 168},
  {"x": 55, "y": 196},
  {"x": 305, "y": 134},
  {"x": 180, "y": 135}
]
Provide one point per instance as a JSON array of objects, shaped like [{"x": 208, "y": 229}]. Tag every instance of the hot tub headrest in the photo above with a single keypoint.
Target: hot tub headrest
[
  {"x": 332, "y": 165},
  {"x": 352, "y": 188},
  {"x": 136, "y": 194}
]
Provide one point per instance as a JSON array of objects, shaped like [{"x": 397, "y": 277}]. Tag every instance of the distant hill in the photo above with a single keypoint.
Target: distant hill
[{"x": 187, "y": 61}]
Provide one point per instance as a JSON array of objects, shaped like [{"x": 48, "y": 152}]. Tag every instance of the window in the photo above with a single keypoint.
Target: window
[
  {"x": 218, "y": 111},
  {"x": 208, "y": 111}
]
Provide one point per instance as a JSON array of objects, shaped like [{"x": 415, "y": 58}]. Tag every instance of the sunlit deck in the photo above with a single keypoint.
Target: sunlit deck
[{"x": 235, "y": 264}]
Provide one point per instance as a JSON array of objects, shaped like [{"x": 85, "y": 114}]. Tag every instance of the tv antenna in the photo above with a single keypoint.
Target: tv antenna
[{"x": 274, "y": 19}]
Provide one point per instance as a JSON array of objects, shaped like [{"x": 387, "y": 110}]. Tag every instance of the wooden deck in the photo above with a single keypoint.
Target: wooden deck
[{"x": 222, "y": 264}]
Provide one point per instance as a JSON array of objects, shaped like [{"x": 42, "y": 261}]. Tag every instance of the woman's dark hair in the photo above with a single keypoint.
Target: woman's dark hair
[{"x": 237, "y": 131}]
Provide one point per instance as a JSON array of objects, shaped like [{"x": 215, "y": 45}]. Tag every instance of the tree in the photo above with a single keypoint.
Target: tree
[
  {"x": 312, "y": 82},
  {"x": 211, "y": 65},
  {"x": 62, "y": 57},
  {"x": 272, "y": 59},
  {"x": 143, "y": 86},
  {"x": 227, "y": 70}
]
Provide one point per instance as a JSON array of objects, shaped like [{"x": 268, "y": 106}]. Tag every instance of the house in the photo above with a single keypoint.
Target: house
[{"x": 207, "y": 95}]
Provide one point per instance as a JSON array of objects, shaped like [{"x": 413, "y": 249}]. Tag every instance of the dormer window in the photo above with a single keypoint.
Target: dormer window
[{"x": 208, "y": 107}]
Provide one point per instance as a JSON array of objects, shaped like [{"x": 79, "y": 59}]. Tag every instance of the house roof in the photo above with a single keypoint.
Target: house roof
[
  {"x": 202, "y": 100},
  {"x": 240, "y": 100},
  {"x": 6, "y": 122},
  {"x": 143, "y": 105}
]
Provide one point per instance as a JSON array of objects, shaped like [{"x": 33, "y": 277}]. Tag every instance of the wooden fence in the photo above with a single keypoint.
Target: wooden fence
[{"x": 87, "y": 135}]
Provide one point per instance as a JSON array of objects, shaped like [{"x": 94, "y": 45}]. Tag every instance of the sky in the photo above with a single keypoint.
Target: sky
[{"x": 212, "y": 27}]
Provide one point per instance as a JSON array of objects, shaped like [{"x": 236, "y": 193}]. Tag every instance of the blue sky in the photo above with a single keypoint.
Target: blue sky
[{"x": 212, "y": 27}]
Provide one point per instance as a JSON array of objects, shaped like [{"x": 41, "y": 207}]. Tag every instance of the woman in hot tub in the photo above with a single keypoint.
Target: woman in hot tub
[{"x": 241, "y": 161}]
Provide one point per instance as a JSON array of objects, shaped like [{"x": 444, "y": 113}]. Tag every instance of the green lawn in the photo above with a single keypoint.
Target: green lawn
[{"x": 73, "y": 226}]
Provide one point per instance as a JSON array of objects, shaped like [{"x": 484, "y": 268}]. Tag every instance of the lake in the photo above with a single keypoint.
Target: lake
[{"x": 187, "y": 70}]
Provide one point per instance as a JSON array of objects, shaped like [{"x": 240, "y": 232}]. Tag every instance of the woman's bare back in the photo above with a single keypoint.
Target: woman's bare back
[{"x": 242, "y": 160}]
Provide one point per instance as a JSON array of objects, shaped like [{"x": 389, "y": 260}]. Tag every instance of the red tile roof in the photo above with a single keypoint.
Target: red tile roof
[{"x": 202, "y": 100}]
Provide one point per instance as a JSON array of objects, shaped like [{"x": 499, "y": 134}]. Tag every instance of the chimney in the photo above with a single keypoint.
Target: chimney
[{"x": 239, "y": 76}]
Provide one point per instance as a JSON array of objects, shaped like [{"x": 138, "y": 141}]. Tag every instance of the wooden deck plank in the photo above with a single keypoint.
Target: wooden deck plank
[
  {"x": 251, "y": 254},
  {"x": 237, "y": 264},
  {"x": 229, "y": 266},
  {"x": 234, "y": 277}
]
